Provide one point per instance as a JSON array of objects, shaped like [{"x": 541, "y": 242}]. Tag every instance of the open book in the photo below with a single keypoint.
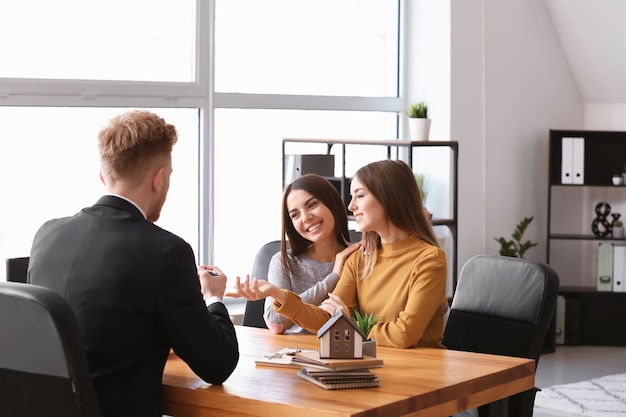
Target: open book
[
  {"x": 294, "y": 357},
  {"x": 283, "y": 357}
]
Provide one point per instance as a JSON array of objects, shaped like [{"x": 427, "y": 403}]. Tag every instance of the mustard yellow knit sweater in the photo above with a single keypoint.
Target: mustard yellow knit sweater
[{"x": 406, "y": 293}]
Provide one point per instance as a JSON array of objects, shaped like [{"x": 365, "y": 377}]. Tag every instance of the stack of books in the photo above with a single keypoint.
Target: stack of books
[
  {"x": 339, "y": 379},
  {"x": 337, "y": 373},
  {"x": 326, "y": 373}
]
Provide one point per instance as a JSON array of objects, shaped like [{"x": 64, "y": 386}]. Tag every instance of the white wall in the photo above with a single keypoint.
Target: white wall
[
  {"x": 605, "y": 116},
  {"x": 510, "y": 84}
]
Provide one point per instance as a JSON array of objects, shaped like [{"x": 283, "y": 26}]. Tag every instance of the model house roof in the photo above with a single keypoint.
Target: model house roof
[{"x": 335, "y": 319}]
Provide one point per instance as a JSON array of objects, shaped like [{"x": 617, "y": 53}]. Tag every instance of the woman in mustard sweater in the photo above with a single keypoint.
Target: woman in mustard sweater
[{"x": 399, "y": 275}]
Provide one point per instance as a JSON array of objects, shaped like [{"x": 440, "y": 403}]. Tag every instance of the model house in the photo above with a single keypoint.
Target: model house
[{"x": 340, "y": 338}]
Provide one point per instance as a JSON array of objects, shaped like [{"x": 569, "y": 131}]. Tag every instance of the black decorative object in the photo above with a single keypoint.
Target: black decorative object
[
  {"x": 600, "y": 225},
  {"x": 615, "y": 216}
]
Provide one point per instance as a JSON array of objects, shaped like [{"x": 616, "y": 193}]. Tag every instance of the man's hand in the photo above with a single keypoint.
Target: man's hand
[{"x": 212, "y": 281}]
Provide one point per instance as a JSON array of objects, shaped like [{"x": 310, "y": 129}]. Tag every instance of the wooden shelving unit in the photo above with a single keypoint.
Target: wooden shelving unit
[
  {"x": 349, "y": 154},
  {"x": 590, "y": 317}
]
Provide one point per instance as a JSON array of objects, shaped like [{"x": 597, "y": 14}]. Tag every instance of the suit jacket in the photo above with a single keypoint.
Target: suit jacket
[{"x": 135, "y": 291}]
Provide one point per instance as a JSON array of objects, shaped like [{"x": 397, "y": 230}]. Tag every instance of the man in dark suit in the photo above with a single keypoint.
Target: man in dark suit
[{"x": 135, "y": 288}]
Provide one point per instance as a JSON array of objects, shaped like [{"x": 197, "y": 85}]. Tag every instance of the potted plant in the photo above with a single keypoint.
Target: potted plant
[
  {"x": 516, "y": 248},
  {"x": 419, "y": 123},
  {"x": 618, "y": 179},
  {"x": 618, "y": 229},
  {"x": 422, "y": 185},
  {"x": 365, "y": 322}
]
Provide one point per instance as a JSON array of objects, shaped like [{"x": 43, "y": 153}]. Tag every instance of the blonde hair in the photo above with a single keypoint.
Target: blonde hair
[{"x": 131, "y": 141}]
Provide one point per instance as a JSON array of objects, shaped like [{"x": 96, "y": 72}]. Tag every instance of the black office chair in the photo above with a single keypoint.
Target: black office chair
[
  {"x": 17, "y": 269},
  {"x": 253, "y": 315},
  {"x": 43, "y": 367},
  {"x": 504, "y": 306}
]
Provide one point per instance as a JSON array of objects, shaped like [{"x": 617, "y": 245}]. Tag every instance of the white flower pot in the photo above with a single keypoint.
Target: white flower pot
[{"x": 419, "y": 129}]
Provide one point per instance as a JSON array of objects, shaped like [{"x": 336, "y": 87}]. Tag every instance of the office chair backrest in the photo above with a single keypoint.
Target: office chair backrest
[
  {"x": 17, "y": 269},
  {"x": 43, "y": 367},
  {"x": 503, "y": 305},
  {"x": 253, "y": 316}
]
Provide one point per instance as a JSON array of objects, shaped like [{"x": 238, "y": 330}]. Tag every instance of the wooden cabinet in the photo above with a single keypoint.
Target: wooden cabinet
[
  {"x": 581, "y": 210},
  {"x": 338, "y": 159}
]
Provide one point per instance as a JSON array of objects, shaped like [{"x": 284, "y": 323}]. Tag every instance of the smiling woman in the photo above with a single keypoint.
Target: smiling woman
[{"x": 315, "y": 243}]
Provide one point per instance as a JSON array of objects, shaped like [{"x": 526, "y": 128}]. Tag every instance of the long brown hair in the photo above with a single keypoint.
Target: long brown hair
[
  {"x": 320, "y": 188},
  {"x": 393, "y": 184}
]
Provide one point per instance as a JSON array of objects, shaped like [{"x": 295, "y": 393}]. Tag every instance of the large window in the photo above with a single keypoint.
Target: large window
[
  {"x": 322, "y": 47},
  {"x": 49, "y": 167},
  {"x": 138, "y": 40},
  {"x": 235, "y": 76}
]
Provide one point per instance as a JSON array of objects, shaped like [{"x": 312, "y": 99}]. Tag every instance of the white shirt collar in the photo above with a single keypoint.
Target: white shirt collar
[{"x": 131, "y": 202}]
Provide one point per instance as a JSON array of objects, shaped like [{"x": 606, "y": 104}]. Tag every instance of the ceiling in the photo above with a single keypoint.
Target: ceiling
[{"x": 593, "y": 37}]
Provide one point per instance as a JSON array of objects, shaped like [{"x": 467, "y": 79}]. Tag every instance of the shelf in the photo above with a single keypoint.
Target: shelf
[
  {"x": 581, "y": 237},
  {"x": 589, "y": 316},
  {"x": 383, "y": 142},
  {"x": 587, "y": 185},
  {"x": 408, "y": 150},
  {"x": 574, "y": 290}
]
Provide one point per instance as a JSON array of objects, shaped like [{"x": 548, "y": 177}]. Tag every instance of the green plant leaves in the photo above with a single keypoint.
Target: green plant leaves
[
  {"x": 365, "y": 322},
  {"x": 418, "y": 110},
  {"x": 516, "y": 248}
]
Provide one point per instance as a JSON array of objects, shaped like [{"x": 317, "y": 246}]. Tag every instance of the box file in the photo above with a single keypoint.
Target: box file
[
  {"x": 619, "y": 267},
  {"x": 567, "y": 160},
  {"x": 560, "y": 320},
  {"x": 605, "y": 267},
  {"x": 298, "y": 165},
  {"x": 578, "y": 160},
  {"x": 573, "y": 160}
]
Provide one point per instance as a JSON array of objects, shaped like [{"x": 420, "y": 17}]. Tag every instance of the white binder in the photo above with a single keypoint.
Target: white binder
[
  {"x": 567, "y": 160},
  {"x": 619, "y": 267},
  {"x": 605, "y": 267},
  {"x": 572, "y": 160},
  {"x": 578, "y": 160}
]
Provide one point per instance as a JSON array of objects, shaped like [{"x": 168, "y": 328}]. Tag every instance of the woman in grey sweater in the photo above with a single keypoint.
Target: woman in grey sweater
[{"x": 315, "y": 243}]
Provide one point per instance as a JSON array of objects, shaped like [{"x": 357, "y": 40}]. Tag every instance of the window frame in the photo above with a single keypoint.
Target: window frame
[{"x": 201, "y": 95}]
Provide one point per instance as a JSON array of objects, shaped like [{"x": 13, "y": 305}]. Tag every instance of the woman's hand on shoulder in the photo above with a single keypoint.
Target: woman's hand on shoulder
[{"x": 341, "y": 257}]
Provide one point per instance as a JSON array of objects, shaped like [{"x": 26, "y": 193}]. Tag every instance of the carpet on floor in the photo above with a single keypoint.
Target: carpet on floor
[{"x": 600, "y": 397}]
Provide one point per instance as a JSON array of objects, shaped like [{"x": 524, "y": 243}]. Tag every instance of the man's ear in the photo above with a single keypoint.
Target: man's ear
[
  {"x": 102, "y": 178},
  {"x": 157, "y": 179}
]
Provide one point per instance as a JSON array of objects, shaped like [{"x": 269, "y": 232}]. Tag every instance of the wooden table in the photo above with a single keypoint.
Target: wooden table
[{"x": 413, "y": 382}]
